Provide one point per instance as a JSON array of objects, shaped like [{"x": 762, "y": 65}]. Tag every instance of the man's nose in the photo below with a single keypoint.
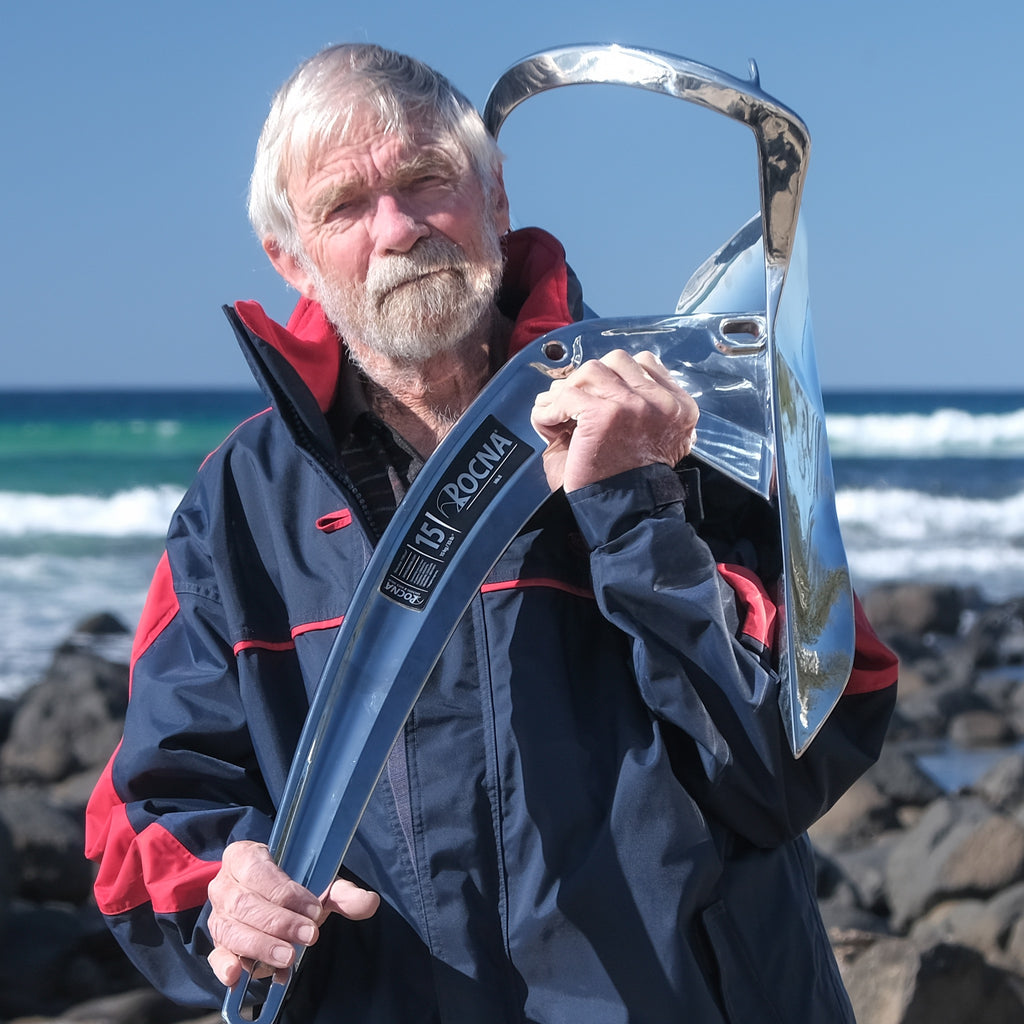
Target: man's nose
[{"x": 397, "y": 227}]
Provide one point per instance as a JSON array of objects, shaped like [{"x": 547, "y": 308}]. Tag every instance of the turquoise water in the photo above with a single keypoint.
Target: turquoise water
[
  {"x": 928, "y": 487},
  {"x": 102, "y": 442}
]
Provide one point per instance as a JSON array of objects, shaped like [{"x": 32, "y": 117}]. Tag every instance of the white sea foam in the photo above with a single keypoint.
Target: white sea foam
[
  {"x": 898, "y": 514},
  {"x": 63, "y": 557},
  {"x": 945, "y": 432},
  {"x": 47, "y": 594},
  {"x": 907, "y": 535},
  {"x": 138, "y": 512}
]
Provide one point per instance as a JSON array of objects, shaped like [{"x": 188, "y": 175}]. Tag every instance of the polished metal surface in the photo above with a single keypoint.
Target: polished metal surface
[
  {"x": 759, "y": 277},
  {"x": 815, "y": 595},
  {"x": 783, "y": 143},
  {"x": 739, "y": 341}
]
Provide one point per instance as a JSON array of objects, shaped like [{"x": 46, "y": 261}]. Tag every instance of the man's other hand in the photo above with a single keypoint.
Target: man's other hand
[{"x": 259, "y": 914}]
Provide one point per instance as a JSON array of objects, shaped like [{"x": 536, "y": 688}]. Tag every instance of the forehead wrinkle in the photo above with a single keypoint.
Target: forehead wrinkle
[
  {"x": 429, "y": 159},
  {"x": 405, "y": 169}
]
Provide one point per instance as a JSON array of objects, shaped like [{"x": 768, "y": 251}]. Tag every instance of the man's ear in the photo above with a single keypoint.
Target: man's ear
[{"x": 290, "y": 267}]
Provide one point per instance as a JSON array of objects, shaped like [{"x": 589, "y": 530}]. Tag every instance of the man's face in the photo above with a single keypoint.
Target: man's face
[{"x": 401, "y": 243}]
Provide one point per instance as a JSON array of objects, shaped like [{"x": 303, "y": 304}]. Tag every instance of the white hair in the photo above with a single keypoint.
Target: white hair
[{"x": 315, "y": 107}]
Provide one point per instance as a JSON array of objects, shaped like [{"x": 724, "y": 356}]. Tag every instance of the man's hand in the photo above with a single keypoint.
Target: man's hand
[
  {"x": 259, "y": 914},
  {"x": 611, "y": 415}
]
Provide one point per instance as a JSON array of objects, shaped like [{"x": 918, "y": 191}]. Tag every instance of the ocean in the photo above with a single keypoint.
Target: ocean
[{"x": 929, "y": 487}]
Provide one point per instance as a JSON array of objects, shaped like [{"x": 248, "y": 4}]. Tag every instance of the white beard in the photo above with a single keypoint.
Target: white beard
[{"x": 417, "y": 304}]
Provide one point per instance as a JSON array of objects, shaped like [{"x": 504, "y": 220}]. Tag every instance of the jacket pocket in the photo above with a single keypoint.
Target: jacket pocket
[{"x": 743, "y": 991}]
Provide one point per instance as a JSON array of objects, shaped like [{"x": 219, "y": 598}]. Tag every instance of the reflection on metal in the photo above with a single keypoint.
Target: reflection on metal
[
  {"x": 816, "y": 637},
  {"x": 761, "y": 416},
  {"x": 739, "y": 340},
  {"x": 728, "y": 381},
  {"x": 782, "y": 140}
]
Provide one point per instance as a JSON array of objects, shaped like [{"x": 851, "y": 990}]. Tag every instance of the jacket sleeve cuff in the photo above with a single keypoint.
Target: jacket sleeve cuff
[{"x": 610, "y": 508}]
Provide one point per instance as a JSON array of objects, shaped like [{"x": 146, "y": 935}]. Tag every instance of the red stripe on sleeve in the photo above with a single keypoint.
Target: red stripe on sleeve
[
  {"x": 568, "y": 588},
  {"x": 875, "y": 667},
  {"x": 152, "y": 866},
  {"x": 756, "y": 608},
  {"x": 312, "y": 627},
  {"x": 102, "y": 801},
  {"x": 137, "y": 868},
  {"x": 288, "y": 645},
  {"x": 161, "y": 606},
  {"x": 264, "y": 645}
]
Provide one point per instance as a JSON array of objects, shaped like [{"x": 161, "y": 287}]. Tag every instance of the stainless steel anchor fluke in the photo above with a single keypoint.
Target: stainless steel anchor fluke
[{"x": 739, "y": 340}]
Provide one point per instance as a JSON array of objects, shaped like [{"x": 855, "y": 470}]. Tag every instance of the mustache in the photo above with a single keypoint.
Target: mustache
[{"x": 427, "y": 256}]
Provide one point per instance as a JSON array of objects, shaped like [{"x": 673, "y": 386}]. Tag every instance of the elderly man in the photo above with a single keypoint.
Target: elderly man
[{"x": 593, "y": 814}]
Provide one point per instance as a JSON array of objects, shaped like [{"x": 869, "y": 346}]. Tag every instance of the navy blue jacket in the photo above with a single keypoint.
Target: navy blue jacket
[{"x": 594, "y": 815}]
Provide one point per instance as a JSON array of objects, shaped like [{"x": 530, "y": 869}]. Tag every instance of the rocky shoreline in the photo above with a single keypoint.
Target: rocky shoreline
[{"x": 921, "y": 864}]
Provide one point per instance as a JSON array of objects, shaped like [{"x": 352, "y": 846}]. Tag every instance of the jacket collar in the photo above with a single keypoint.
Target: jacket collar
[{"x": 538, "y": 291}]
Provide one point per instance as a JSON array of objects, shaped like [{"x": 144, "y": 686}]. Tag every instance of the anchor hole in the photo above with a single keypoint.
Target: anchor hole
[
  {"x": 746, "y": 332},
  {"x": 554, "y": 350},
  {"x": 740, "y": 336}
]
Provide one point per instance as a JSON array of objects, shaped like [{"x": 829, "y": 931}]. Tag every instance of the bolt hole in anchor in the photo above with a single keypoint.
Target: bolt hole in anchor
[
  {"x": 555, "y": 351},
  {"x": 741, "y": 336}
]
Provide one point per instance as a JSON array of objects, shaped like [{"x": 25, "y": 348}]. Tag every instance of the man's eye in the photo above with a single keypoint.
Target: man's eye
[
  {"x": 344, "y": 208},
  {"x": 429, "y": 181}
]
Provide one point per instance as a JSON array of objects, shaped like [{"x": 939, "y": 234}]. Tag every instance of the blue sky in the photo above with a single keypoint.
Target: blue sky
[{"x": 131, "y": 126}]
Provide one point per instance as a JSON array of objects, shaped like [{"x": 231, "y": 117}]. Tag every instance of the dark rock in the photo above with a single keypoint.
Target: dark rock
[
  {"x": 917, "y": 717},
  {"x": 915, "y": 608},
  {"x": 893, "y": 981},
  {"x": 140, "y": 1006},
  {"x": 985, "y": 925},
  {"x": 35, "y": 942},
  {"x": 101, "y": 624},
  {"x": 828, "y": 875},
  {"x": 980, "y": 728},
  {"x": 1002, "y": 786},
  {"x": 8, "y": 873},
  {"x": 898, "y": 775},
  {"x": 913, "y": 679},
  {"x": 953, "y": 698},
  {"x": 909, "y": 727},
  {"x": 56, "y": 956},
  {"x": 865, "y": 869},
  {"x": 841, "y": 918},
  {"x": 1007, "y": 908},
  {"x": 929, "y": 711},
  {"x": 893, "y": 854},
  {"x": 999, "y": 686},
  {"x": 960, "y": 848},
  {"x": 1015, "y": 708},
  {"x": 72, "y": 794},
  {"x": 69, "y": 721},
  {"x": 839, "y": 901},
  {"x": 48, "y": 863},
  {"x": 996, "y": 637},
  {"x": 861, "y": 812},
  {"x": 960, "y": 922},
  {"x": 7, "y": 709},
  {"x": 1015, "y": 946}
]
